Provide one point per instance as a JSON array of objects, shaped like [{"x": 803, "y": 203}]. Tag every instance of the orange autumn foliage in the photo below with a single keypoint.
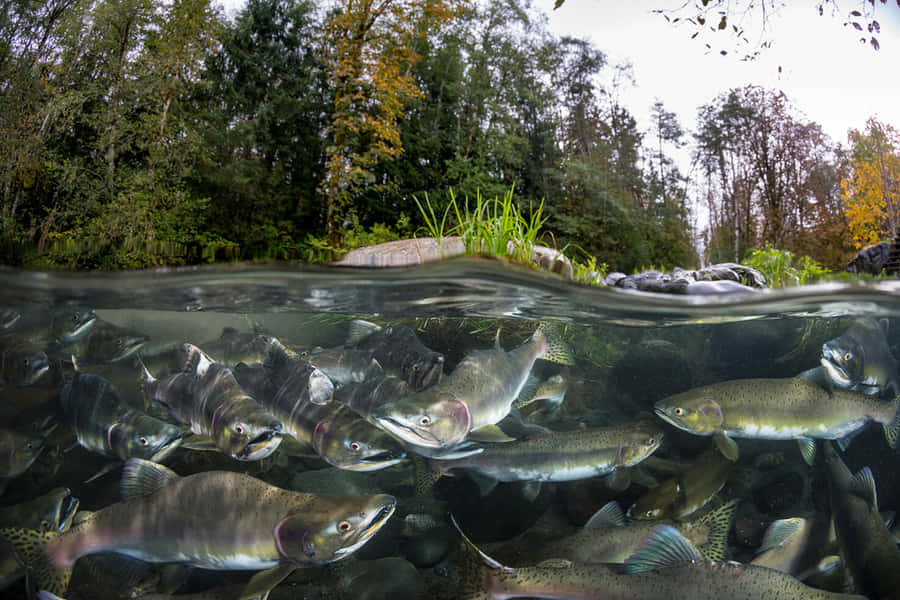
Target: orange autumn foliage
[{"x": 871, "y": 193}]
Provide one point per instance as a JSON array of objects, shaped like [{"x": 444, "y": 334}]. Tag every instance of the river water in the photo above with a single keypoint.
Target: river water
[{"x": 630, "y": 350}]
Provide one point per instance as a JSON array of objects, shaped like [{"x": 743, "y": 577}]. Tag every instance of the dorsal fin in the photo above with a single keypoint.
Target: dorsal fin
[
  {"x": 492, "y": 563},
  {"x": 197, "y": 361},
  {"x": 609, "y": 515},
  {"x": 664, "y": 547},
  {"x": 141, "y": 478},
  {"x": 359, "y": 330},
  {"x": 779, "y": 532},
  {"x": 863, "y": 484}
]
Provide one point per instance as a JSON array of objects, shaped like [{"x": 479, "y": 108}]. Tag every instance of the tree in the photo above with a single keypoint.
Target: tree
[
  {"x": 265, "y": 109},
  {"x": 371, "y": 51},
  {"x": 759, "y": 158},
  {"x": 871, "y": 191}
]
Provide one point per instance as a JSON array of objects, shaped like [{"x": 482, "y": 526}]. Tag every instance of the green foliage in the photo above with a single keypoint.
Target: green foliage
[
  {"x": 493, "y": 227},
  {"x": 780, "y": 270}
]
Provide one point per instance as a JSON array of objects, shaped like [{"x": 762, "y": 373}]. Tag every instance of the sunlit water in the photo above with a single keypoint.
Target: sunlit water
[{"x": 631, "y": 350}]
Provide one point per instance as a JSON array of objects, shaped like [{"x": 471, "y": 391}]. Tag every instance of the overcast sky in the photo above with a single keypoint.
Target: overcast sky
[{"x": 832, "y": 78}]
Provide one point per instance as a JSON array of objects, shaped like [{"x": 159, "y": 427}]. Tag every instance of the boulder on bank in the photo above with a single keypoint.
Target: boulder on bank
[
  {"x": 870, "y": 259},
  {"x": 723, "y": 278}
]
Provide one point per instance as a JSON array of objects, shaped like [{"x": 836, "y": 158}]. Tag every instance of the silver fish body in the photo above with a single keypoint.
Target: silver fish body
[
  {"x": 400, "y": 352},
  {"x": 207, "y": 397},
  {"x": 336, "y": 433},
  {"x": 106, "y": 425},
  {"x": 563, "y": 456},
  {"x": 479, "y": 392},
  {"x": 860, "y": 360},
  {"x": 204, "y": 520}
]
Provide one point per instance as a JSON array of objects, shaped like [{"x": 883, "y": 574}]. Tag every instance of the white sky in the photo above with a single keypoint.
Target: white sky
[{"x": 828, "y": 75}]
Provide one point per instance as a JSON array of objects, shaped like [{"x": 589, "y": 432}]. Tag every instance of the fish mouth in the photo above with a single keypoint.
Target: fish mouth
[
  {"x": 661, "y": 413},
  {"x": 377, "y": 461},
  {"x": 67, "y": 510},
  {"x": 41, "y": 366},
  {"x": 374, "y": 525},
  {"x": 408, "y": 434},
  {"x": 835, "y": 371},
  {"x": 261, "y": 446},
  {"x": 82, "y": 329},
  {"x": 130, "y": 347},
  {"x": 167, "y": 447}
]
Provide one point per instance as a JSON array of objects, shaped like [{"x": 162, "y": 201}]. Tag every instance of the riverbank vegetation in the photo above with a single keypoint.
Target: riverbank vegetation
[{"x": 137, "y": 133}]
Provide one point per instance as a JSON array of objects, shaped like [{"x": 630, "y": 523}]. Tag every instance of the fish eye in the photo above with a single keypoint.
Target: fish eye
[
  {"x": 651, "y": 441},
  {"x": 239, "y": 428},
  {"x": 75, "y": 318},
  {"x": 344, "y": 526},
  {"x": 424, "y": 420},
  {"x": 144, "y": 441},
  {"x": 304, "y": 355},
  {"x": 355, "y": 446},
  {"x": 45, "y": 524},
  {"x": 678, "y": 411},
  {"x": 848, "y": 355},
  {"x": 648, "y": 514},
  {"x": 416, "y": 367},
  {"x": 27, "y": 362},
  {"x": 29, "y": 445}
]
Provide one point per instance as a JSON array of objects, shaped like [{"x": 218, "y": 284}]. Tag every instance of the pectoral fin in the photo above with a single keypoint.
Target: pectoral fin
[
  {"x": 807, "y": 450},
  {"x": 199, "y": 442},
  {"x": 489, "y": 433},
  {"x": 262, "y": 583},
  {"x": 618, "y": 480},
  {"x": 726, "y": 445}
]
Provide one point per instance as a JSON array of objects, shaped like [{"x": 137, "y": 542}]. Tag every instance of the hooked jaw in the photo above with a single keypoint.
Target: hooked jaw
[
  {"x": 835, "y": 371},
  {"x": 261, "y": 446},
  {"x": 374, "y": 525},
  {"x": 167, "y": 447}
]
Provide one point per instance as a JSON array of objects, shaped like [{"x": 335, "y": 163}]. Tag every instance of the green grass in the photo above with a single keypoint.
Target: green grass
[
  {"x": 781, "y": 270},
  {"x": 493, "y": 227}
]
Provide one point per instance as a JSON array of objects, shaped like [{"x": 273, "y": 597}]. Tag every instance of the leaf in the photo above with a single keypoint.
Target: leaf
[
  {"x": 696, "y": 33},
  {"x": 855, "y": 13},
  {"x": 723, "y": 52},
  {"x": 723, "y": 23},
  {"x": 875, "y": 43},
  {"x": 701, "y": 20},
  {"x": 557, "y": 4},
  {"x": 857, "y": 26},
  {"x": 876, "y": 26}
]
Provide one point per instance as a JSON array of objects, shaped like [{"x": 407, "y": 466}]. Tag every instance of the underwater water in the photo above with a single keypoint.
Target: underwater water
[{"x": 385, "y": 401}]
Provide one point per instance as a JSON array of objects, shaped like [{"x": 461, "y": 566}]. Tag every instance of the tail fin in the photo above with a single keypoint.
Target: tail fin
[
  {"x": 892, "y": 429},
  {"x": 558, "y": 351},
  {"x": 719, "y": 523},
  {"x": 30, "y": 546}
]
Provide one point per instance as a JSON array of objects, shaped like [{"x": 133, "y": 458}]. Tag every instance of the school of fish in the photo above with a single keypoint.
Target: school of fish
[{"x": 246, "y": 467}]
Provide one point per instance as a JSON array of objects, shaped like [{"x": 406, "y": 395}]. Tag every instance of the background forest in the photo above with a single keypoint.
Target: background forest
[{"x": 140, "y": 132}]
